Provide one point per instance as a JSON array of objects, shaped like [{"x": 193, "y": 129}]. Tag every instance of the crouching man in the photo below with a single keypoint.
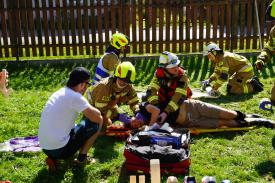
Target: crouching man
[{"x": 59, "y": 136}]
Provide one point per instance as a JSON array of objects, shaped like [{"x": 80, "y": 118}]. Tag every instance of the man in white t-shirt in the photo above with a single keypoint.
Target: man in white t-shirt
[{"x": 59, "y": 136}]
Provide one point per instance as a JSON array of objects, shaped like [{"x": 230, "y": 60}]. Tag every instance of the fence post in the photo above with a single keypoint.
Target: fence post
[{"x": 12, "y": 8}]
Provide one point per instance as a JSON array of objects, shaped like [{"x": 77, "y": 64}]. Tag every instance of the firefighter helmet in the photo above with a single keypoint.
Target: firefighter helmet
[
  {"x": 211, "y": 47},
  {"x": 270, "y": 12},
  {"x": 126, "y": 71},
  {"x": 168, "y": 60},
  {"x": 119, "y": 40}
]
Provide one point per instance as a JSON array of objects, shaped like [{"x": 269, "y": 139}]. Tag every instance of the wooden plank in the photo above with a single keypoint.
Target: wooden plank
[
  {"x": 106, "y": 21},
  {"x": 201, "y": 26},
  {"x": 242, "y": 25},
  {"x": 59, "y": 27},
  {"x": 154, "y": 27},
  {"x": 46, "y": 28},
  {"x": 140, "y": 26},
  {"x": 86, "y": 28},
  {"x": 255, "y": 28},
  {"x": 141, "y": 178},
  {"x": 161, "y": 15},
  {"x": 134, "y": 27},
  {"x": 120, "y": 18},
  {"x": 194, "y": 27},
  {"x": 99, "y": 26},
  {"x": 79, "y": 26},
  {"x": 174, "y": 26},
  {"x": 38, "y": 26},
  {"x": 215, "y": 16},
  {"x": 113, "y": 16},
  {"x": 262, "y": 20},
  {"x": 72, "y": 26},
  {"x": 208, "y": 22},
  {"x": 52, "y": 27},
  {"x": 167, "y": 25},
  {"x": 12, "y": 28},
  {"x": 66, "y": 26},
  {"x": 147, "y": 25},
  {"x": 18, "y": 28},
  {"x": 3, "y": 14},
  {"x": 133, "y": 179},
  {"x": 93, "y": 28},
  {"x": 228, "y": 25},
  {"x": 221, "y": 23},
  {"x": 127, "y": 24},
  {"x": 155, "y": 171},
  {"x": 249, "y": 23},
  {"x": 181, "y": 25},
  {"x": 24, "y": 25}
]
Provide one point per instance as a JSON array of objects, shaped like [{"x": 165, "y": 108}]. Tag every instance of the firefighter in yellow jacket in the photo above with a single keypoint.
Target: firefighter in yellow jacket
[
  {"x": 169, "y": 87},
  {"x": 168, "y": 100},
  {"x": 109, "y": 93},
  {"x": 269, "y": 49},
  {"x": 110, "y": 59},
  {"x": 233, "y": 68}
]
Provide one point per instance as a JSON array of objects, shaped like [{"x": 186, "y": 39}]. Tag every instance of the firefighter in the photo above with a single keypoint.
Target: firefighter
[
  {"x": 168, "y": 100},
  {"x": 267, "y": 53},
  {"x": 109, "y": 93},
  {"x": 110, "y": 59},
  {"x": 169, "y": 87},
  {"x": 232, "y": 67}
]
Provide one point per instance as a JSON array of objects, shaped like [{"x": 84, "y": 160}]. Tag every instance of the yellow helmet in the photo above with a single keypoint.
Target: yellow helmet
[
  {"x": 270, "y": 12},
  {"x": 119, "y": 40},
  {"x": 126, "y": 71}
]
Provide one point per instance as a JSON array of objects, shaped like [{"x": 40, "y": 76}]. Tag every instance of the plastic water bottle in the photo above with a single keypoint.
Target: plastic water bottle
[
  {"x": 208, "y": 179},
  {"x": 225, "y": 181},
  {"x": 189, "y": 179}
]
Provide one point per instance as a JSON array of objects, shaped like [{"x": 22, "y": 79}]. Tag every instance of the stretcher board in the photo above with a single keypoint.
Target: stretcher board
[
  {"x": 197, "y": 131},
  {"x": 198, "y": 93}
]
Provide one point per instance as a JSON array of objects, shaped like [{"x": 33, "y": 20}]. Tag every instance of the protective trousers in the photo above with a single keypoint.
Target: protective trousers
[
  {"x": 204, "y": 115},
  {"x": 239, "y": 83}
]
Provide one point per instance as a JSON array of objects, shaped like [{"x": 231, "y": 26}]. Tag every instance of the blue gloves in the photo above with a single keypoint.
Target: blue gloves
[{"x": 265, "y": 104}]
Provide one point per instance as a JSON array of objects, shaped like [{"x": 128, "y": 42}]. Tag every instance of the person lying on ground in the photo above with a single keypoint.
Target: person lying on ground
[
  {"x": 59, "y": 136},
  {"x": 198, "y": 114}
]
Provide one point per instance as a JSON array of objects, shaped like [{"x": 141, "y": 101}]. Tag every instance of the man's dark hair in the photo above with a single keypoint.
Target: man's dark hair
[{"x": 77, "y": 76}]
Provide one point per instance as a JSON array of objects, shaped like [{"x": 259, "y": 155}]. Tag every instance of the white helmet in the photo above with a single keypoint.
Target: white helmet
[
  {"x": 211, "y": 47},
  {"x": 168, "y": 60}
]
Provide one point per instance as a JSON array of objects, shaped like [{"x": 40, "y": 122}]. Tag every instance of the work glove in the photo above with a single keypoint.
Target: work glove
[
  {"x": 212, "y": 92},
  {"x": 259, "y": 65},
  {"x": 162, "y": 117},
  {"x": 266, "y": 104},
  {"x": 204, "y": 84}
]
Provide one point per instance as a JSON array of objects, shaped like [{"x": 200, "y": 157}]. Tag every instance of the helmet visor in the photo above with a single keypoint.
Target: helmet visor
[{"x": 173, "y": 63}]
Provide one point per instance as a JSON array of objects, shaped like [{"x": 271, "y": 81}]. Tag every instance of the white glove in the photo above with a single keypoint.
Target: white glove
[
  {"x": 212, "y": 92},
  {"x": 205, "y": 84}
]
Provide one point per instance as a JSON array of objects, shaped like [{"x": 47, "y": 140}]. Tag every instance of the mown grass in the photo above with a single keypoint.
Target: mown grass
[{"x": 238, "y": 156}]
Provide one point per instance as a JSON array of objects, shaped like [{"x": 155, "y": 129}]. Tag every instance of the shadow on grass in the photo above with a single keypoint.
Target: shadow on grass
[
  {"x": 104, "y": 149},
  {"x": 79, "y": 174},
  {"x": 228, "y": 98},
  {"x": 229, "y": 135},
  {"x": 266, "y": 168}
]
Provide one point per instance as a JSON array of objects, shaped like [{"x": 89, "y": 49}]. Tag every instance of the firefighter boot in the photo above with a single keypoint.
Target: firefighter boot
[
  {"x": 259, "y": 122},
  {"x": 257, "y": 86}
]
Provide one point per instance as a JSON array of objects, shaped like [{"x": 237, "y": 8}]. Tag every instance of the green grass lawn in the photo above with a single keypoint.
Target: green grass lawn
[{"x": 238, "y": 156}]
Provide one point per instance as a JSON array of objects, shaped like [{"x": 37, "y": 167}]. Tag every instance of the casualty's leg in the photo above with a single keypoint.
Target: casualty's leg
[{"x": 272, "y": 98}]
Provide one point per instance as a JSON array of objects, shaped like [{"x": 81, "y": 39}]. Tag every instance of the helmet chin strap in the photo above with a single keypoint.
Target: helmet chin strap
[{"x": 119, "y": 86}]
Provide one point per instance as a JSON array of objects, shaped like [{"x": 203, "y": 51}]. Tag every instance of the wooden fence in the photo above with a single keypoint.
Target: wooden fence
[{"x": 32, "y": 28}]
